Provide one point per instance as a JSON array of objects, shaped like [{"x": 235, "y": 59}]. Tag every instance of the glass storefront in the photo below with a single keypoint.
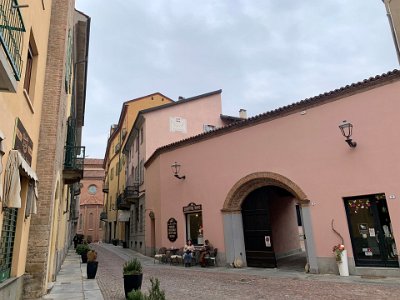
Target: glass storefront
[{"x": 371, "y": 231}]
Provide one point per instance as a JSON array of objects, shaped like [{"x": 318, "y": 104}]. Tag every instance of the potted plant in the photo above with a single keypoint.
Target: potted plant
[
  {"x": 92, "y": 264},
  {"x": 82, "y": 250},
  {"x": 155, "y": 293},
  {"x": 133, "y": 275}
]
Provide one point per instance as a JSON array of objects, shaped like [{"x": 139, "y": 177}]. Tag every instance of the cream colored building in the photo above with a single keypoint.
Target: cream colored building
[
  {"x": 116, "y": 225},
  {"x": 43, "y": 58}
]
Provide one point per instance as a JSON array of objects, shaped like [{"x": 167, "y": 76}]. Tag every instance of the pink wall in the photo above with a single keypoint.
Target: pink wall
[
  {"x": 306, "y": 148},
  {"x": 196, "y": 112}
]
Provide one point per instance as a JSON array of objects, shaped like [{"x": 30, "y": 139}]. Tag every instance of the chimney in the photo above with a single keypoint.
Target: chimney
[{"x": 243, "y": 113}]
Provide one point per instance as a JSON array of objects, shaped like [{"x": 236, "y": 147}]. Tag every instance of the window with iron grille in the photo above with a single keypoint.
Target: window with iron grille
[{"x": 7, "y": 242}]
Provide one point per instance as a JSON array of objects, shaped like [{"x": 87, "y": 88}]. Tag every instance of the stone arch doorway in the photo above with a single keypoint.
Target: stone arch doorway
[{"x": 270, "y": 193}]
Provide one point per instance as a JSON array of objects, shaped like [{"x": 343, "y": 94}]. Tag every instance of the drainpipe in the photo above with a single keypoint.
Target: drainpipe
[{"x": 394, "y": 33}]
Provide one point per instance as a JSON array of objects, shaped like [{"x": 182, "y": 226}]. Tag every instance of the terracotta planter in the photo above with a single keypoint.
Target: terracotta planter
[{"x": 132, "y": 282}]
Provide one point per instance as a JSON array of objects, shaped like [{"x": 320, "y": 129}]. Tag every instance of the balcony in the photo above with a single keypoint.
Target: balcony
[
  {"x": 131, "y": 193},
  {"x": 73, "y": 164},
  {"x": 105, "y": 188},
  {"x": 122, "y": 204},
  {"x": 11, "y": 36},
  {"x": 103, "y": 216}
]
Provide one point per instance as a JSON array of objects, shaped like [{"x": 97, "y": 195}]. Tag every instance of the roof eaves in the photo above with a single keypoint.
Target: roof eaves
[{"x": 283, "y": 111}]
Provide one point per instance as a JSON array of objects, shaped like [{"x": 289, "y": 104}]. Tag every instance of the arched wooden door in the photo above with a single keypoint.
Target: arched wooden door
[{"x": 257, "y": 229}]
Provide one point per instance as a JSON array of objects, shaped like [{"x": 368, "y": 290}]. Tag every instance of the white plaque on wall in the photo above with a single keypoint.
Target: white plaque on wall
[{"x": 177, "y": 124}]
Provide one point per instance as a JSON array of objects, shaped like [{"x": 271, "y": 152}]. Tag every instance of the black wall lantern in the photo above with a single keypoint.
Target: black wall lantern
[
  {"x": 175, "y": 169},
  {"x": 347, "y": 130}
]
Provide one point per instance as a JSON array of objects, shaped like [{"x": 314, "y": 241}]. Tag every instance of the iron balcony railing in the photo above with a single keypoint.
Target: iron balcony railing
[
  {"x": 131, "y": 193},
  {"x": 122, "y": 203},
  {"x": 11, "y": 34},
  {"x": 74, "y": 157},
  {"x": 103, "y": 215}
]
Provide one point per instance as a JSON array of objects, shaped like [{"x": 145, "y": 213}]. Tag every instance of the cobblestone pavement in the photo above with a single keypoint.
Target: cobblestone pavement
[{"x": 226, "y": 283}]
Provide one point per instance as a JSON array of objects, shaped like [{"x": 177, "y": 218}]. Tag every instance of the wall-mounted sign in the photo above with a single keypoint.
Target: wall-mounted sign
[
  {"x": 177, "y": 124},
  {"x": 267, "y": 241},
  {"x": 172, "y": 229},
  {"x": 23, "y": 143},
  {"x": 192, "y": 207}
]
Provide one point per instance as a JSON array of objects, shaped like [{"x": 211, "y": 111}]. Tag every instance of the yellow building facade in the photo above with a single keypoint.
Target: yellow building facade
[
  {"x": 43, "y": 59},
  {"x": 116, "y": 213}
]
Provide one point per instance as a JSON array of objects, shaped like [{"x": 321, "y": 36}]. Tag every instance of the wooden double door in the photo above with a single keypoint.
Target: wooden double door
[{"x": 257, "y": 229}]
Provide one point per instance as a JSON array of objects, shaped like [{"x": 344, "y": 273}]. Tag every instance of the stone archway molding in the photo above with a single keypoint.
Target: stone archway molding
[{"x": 253, "y": 181}]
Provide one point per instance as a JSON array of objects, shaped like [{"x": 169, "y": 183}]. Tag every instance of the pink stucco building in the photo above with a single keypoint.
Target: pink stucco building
[
  {"x": 243, "y": 182},
  {"x": 153, "y": 128}
]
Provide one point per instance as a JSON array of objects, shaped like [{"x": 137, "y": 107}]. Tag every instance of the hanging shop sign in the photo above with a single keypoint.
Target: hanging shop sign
[
  {"x": 192, "y": 207},
  {"x": 23, "y": 142},
  {"x": 172, "y": 229}
]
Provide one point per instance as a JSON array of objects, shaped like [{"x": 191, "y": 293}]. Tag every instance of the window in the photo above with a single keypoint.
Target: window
[
  {"x": 141, "y": 135},
  {"x": 194, "y": 223},
  {"x": 141, "y": 171},
  {"x": 68, "y": 64},
  {"x": 92, "y": 189},
  {"x": 30, "y": 69},
  {"x": 7, "y": 241},
  {"x": 112, "y": 174},
  {"x": 137, "y": 143},
  {"x": 91, "y": 221},
  {"x": 110, "y": 207},
  {"x": 28, "y": 72},
  {"x": 137, "y": 217},
  {"x": 141, "y": 218},
  {"x": 80, "y": 221}
]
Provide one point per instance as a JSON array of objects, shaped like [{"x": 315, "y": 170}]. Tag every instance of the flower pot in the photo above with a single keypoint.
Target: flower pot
[
  {"x": 91, "y": 269},
  {"x": 84, "y": 258},
  {"x": 132, "y": 282},
  {"x": 343, "y": 264}
]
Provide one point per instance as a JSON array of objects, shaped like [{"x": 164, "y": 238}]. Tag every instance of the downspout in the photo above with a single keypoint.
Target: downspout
[{"x": 394, "y": 35}]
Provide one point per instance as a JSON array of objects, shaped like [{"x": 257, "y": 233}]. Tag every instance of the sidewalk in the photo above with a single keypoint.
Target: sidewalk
[{"x": 72, "y": 282}]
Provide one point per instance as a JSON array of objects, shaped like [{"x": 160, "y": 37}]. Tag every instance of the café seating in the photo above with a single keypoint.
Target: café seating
[
  {"x": 177, "y": 258},
  {"x": 211, "y": 260},
  {"x": 161, "y": 255}
]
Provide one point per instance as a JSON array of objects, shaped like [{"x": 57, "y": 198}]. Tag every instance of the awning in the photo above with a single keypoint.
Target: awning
[
  {"x": 12, "y": 184},
  {"x": 123, "y": 215}
]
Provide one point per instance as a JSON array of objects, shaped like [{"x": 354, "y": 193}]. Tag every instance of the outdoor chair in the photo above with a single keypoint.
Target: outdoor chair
[
  {"x": 211, "y": 260},
  {"x": 161, "y": 255},
  {"x": 177, "y": 259}
]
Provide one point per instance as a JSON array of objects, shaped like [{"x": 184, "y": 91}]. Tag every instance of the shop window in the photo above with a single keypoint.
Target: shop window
[
  {"x": 194, "y": 227},
  {"x": 7, "y": 241}
]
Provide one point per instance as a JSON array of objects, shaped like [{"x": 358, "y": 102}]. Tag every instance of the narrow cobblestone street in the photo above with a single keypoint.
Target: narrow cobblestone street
[{"x": 225, "y": 283}]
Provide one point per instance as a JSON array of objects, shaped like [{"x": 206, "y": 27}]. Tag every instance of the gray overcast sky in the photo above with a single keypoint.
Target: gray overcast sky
[{"x": 263, "y": 54}]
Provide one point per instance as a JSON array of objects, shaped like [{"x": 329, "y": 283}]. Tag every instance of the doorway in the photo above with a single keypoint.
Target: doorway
[
  {"x": 271, "y": 229},
  {"x": 371, "y": 231}
]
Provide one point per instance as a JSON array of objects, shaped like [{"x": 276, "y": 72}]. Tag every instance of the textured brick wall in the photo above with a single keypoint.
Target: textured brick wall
[{"x": 50, "y": 149}]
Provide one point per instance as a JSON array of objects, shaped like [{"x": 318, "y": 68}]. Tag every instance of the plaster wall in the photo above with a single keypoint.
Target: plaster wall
[{"x": 307, "y": 148}]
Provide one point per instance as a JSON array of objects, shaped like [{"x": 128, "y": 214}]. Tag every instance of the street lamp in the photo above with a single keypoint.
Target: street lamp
[
  {"x": 347, "y": 130},
  {"x": 175, "y": 170}
]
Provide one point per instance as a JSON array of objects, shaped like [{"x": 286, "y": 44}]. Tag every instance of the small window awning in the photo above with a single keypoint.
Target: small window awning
[{"x": 16, "y": 165}]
